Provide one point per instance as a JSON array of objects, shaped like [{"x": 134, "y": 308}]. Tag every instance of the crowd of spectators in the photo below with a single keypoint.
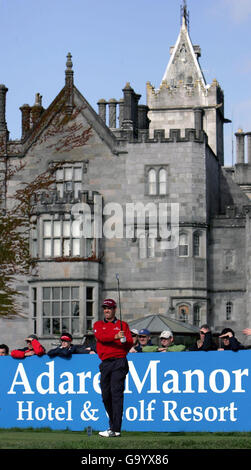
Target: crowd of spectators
[
  {"x": 205, "y": 342},
  {"x": 65, "y": 349},
  {"x": 142, "y": 343}
]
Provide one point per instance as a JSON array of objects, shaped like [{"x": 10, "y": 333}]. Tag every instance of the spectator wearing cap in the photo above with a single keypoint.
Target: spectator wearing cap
[
  {"x": 33, "y": 348},
  {"x": 145, "y": 342},
  {"x": 4, "y": 350},
  {"x": 166, "y": 340},
  {"x": 135, "y": 338},
  {"x": 229, "y": 341},
  {"x": 114, "y": 340},
  {"x": 66, "y": 349}
]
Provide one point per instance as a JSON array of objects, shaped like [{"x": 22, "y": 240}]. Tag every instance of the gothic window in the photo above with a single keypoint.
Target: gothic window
[
  {"x": 196, "y": 315},
  {"x": 183, "y": 312},
  {"x": 183, "y": 244},
  {"x": 229, "y": 310},
  {"x": 162, "y": 181},
  {"x": 152, "y": 182},
  {"x": 156, "y": 181},
  {"x": 196, "y": 244},
  {"x": 69, "y": 179}
]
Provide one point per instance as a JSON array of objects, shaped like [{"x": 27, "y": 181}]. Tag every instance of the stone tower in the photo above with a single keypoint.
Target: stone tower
[{"x": 184, "y": 99}]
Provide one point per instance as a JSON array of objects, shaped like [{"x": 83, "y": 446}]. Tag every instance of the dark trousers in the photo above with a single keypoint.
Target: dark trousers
[{"x": 112, "y": 383}]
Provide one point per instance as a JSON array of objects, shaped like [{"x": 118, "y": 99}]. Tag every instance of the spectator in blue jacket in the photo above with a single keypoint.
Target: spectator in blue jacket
[{"x": 66, "y": 349}]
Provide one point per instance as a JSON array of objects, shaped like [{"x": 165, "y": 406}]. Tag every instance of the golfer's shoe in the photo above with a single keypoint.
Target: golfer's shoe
[{"x": 109, "y": 433}]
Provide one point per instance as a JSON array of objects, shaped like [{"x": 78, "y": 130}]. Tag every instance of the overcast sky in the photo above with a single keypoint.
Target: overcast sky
[{"x": 113, "y": 42}]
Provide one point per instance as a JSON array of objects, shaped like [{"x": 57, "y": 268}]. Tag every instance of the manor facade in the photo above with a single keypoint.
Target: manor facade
[{"x": 168, "y": 153}]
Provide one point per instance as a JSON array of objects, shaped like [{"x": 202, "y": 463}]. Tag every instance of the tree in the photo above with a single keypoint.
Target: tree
[{"x": 15, "y": 226}]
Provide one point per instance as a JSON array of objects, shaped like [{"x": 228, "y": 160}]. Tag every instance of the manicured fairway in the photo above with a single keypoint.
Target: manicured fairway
[{"x": 47, "y": 439}]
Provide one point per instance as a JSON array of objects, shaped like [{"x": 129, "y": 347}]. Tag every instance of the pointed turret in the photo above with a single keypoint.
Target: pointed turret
[
  {"x": 183, "y": 65},
  {"x": 184, "y": 99}
]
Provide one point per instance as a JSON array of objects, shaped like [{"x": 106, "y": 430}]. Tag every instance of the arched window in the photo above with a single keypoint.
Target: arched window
[
  {"x": 229, "y": 310},
  {"x": 183, "y": 244},
  {"x": 162, "y": 181},
  {"x": 196, "y": 244},
  {"x": 183, "y": 313},
  {"x": 152, "y": 182}
]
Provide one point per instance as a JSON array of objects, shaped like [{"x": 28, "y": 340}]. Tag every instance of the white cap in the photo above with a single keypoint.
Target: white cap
[
  {"x": 166, "y": 334},
  {"x": 136, "y": 332}
]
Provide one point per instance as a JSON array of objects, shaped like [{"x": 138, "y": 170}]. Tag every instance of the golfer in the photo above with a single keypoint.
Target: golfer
[{"x": 114, "y": 366}]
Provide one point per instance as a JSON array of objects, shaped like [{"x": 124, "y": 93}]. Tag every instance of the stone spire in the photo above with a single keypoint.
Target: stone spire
[
  {"x": 69, "y": 84},
  {"x": 184, "y": 100},
  {"x": 183, "y": 65}
]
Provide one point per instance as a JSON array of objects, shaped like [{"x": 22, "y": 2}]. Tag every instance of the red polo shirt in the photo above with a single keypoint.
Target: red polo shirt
[{"x": 107, "y": 346}]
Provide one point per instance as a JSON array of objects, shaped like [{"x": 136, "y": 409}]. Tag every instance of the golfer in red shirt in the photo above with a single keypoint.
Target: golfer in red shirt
[{"x": 114, "y": 366}]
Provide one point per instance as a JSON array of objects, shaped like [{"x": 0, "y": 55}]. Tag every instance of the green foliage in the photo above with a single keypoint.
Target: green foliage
[{"x": 15, "y": 226}]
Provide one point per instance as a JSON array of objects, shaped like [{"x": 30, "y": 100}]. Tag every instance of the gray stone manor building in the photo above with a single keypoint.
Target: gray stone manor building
[{"x": 168, "y": 153}]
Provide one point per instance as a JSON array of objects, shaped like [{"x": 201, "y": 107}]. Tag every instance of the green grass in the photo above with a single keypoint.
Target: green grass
[{"x": 48, "y": 439}]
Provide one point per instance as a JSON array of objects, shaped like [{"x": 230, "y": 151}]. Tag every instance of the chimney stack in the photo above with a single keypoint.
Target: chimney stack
[
  {"x": 240, "y": 146},
  {"x": 26, "y": 112},
  {"x": 36, "y": 109},
  {"x": 130, "y": 109}
]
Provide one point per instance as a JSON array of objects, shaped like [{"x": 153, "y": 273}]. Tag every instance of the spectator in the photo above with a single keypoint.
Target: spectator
[
  {"x": 230, "y": 343},
  {"x": 33, "y": 348},
  {"x": 167, "y": 339},
  {"x": 89, "y": 341},
  {"x": 145, "y": 343},
  {"x": 205, "y": 342},
  {"x": 4, "y": 350},
  {"x": 66, "y": 349},
  {"x": 135, "y": 338}
]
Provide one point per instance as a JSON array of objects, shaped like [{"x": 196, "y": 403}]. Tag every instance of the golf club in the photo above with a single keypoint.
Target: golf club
[{"x": 122, "y": 340}]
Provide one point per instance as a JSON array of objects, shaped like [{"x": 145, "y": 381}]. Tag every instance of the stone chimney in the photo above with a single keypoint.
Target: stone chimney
[
  {"x": 102, "y": 109},
  {"x": 26, "y": 116},
  {"x": 37, "y": 109},
  {"x": 248, "y": 134},
  {"x": 240, "y": 146},
  {"x": 143, "y": 121},
  {"x": 130, "y": 120},
  {"x": 112, "y": 113}
]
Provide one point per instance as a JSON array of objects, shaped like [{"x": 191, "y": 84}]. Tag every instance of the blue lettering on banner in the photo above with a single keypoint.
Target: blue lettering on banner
[{"x": 185, "y": 391}]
